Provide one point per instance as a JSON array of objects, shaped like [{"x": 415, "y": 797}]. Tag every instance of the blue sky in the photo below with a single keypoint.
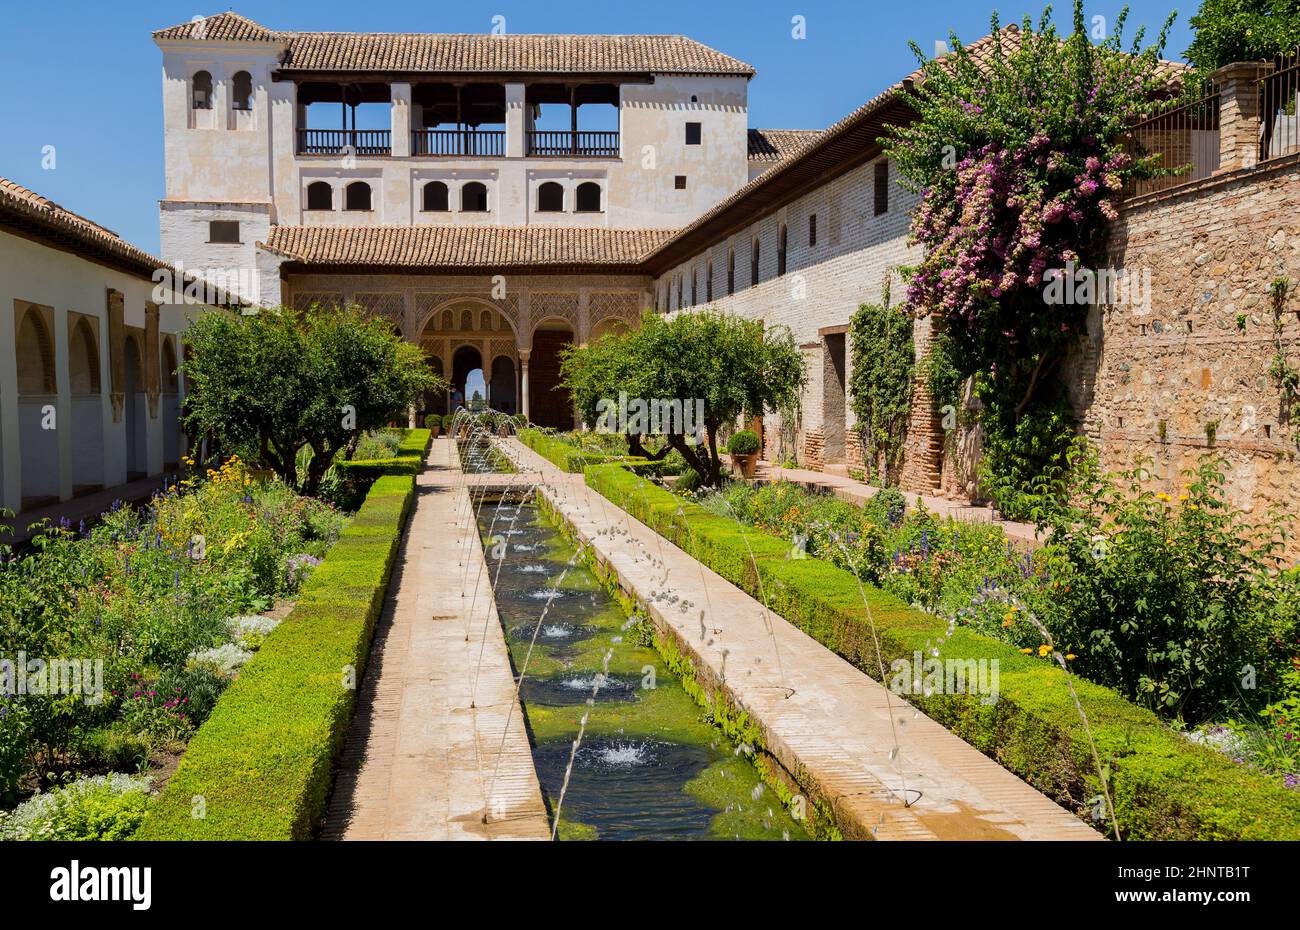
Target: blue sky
[{"x": 85, "y": 77}]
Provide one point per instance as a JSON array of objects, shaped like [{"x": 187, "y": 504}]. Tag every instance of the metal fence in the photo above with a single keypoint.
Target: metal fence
[
  {"x": 1279, "y": 109},
  {"x": 1185, "y": 136}
]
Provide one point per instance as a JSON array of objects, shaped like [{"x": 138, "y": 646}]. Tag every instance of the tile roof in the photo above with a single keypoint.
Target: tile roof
[
  {"x": 460, "y": 247},
  {"x": 223, "y": 27},
  {"x": 28, "y": 212},
  {"x": 469, "y": 53},
  {"x": 774, "y": 145}
]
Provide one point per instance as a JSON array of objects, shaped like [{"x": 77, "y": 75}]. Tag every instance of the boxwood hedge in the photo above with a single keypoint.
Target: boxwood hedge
[
  {"x": 1163, "y": 786},
  {"x": 260, "y": 767}
]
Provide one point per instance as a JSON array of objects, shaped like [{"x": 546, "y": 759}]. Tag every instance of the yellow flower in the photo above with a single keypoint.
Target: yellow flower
[
  {"x": 1026, "y": 651},
  {"x": 1044, "y": 649},
  {"x": 1070, "y": 657}
]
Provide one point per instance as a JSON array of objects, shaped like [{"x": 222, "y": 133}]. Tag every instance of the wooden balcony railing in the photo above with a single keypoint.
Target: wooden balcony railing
[
  {"x": 566, "y": 144},
  {"x": 345, "y": 142},
  {"x": 473, "y": 143}
]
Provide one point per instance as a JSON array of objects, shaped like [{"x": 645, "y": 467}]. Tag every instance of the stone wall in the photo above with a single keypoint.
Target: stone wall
[{"x": 1188, "y": 373}]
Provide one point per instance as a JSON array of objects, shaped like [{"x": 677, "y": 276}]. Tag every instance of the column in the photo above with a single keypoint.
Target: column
[
  {"x": 516, "y": 123},
  {"x": 63, "y": 403},
  {"x": 400, "y": 117},
  {"x": 1238, "y": 114},
  {"x": 112, "y": 383},
  {"x": 152, "y": 363},
  {"x": 523, "y": 381}
]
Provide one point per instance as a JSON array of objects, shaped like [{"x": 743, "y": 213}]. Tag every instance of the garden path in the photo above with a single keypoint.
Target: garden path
[
  {"x": 421, "y": 757},
  {"x": 859, "y": 492}
]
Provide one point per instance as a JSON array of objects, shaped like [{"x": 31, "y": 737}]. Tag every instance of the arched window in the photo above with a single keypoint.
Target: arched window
[
  {"x": 708, "y": 281},
  {"x": 473, "y": 197},
  {"x": 202, "y": 91},
  {"x": 242, "y": 91},
  {"x": 550, "y": 198},
  {"x": 83, "y": 359},
  {"x": 588, "y": 197},
  {"x": 780, "y": 252},
  {"x": 320, "y": 196},
  {"x": 35, "y": 352},
  {"x": 170, "y": 375},
  {"x": 436, "y": 197},
  {"x": 753, "y": 265},
  {"x": 731, "y": 272},
  {"x": 357, "y": 196}
]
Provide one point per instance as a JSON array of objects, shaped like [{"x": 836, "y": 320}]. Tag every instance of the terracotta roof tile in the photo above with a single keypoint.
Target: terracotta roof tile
[
  {"x": 469, "y": 53},
  {"x": 485, "y": 247},
  {"x": 223, "y": 27},
  {"x": 774, "y": 145}
]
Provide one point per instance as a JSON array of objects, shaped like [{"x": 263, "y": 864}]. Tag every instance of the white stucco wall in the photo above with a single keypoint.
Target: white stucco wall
[{"x": 86, "y": 447}]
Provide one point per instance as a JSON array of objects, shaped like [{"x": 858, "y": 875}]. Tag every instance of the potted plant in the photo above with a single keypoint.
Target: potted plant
[
  {"x": 447, "y": 420},
  {"x": 743, "y": 449},
  {"x": 433, "y": 423}
]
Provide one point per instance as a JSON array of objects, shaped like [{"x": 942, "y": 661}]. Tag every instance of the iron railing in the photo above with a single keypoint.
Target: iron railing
[
  {"x": 1184, "y": 135},
  {"x": 1279, "y": 110}
]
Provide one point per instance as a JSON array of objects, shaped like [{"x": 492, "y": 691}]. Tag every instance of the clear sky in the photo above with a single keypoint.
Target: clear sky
[{"x": 85, "y": 76}]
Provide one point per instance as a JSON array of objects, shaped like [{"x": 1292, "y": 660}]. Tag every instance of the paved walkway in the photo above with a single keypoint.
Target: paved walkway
[
  {"x": 88, "y": 507},
  {"x": 858, "y": 492},
  {"x": 425, "y": 757},
  {"x": 887, "y": 770}
]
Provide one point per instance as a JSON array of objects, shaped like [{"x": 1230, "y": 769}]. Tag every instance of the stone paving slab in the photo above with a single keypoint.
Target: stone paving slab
[
  {"x": 887, "y": 770},
  {"x": 425, "y": 757}
]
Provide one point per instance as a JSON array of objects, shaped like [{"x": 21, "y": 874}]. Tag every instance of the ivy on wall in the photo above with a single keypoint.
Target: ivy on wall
[{"x": 884, "y": 365}]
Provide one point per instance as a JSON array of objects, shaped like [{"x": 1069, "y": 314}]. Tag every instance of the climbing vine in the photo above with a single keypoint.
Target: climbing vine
[
  {"x": 1284, "y": 374},
  {"x": 884, "y": 363},
  {"x": 1019, "y": 158}
]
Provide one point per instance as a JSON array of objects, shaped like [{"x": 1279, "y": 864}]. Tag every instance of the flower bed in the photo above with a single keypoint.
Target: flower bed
[
  {"x": 261, "y": 767},
  {"x": 1163, "y": 785},
  {"x": 148, "y": 615}
]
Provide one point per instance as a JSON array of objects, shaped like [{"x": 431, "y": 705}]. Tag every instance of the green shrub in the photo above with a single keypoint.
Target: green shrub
[
  {"x": 262, "y": 763},
  {"x": 447, "y": 420},
  {"x": 567, "y": 456},
  {"x": 744, "y": 442},
  {"x": 1163, "y": 786},
  {"x": 354, "y": 478},
  {"x": 103, "y": 807}
]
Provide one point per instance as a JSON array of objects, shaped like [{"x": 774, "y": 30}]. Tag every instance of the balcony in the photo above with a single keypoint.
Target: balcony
[
  {"x": 465, "y": 143},
  {"x": 569, "y": 144},
  {"x": 344, "y": 142}
]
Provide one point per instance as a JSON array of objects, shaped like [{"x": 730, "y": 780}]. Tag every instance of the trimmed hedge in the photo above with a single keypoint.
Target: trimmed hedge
[
  {"x": 1164, "y": 787},
  {"x": 566, "y": 456},
  {"x": 409, "y": 460},
  {"x": 263, "y": 761}
]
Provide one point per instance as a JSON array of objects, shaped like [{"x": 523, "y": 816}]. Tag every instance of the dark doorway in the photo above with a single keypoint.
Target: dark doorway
[
  {"x": 833, "y": 400},
  {"x": 549, "y": 403}
]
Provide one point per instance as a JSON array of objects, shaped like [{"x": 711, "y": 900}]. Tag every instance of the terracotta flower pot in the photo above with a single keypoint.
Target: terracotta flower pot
[{"x": 747, "y": 464}]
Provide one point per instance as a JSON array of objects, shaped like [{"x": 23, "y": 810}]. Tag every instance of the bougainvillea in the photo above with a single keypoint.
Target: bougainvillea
[{"x": 1018, "y": 154}]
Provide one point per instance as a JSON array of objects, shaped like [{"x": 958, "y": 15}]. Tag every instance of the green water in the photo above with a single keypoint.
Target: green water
[{"x": 650, "y": 765}]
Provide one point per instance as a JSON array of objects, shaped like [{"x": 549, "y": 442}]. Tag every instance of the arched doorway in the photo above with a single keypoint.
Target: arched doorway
[
  {"x": 501, "y": 389},
  {"x": 435, "y": 402},
  {"x": 133, "y": 417},
  {"x": 37, "y": 415},
  {"x": 549, "y": 402},
  {"x": 466, "y": 376},
  {"x": 87, "y": 408}
]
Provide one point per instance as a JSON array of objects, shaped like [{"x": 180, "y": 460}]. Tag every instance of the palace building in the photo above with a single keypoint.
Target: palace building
[{"x": 498, "y": 197}]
